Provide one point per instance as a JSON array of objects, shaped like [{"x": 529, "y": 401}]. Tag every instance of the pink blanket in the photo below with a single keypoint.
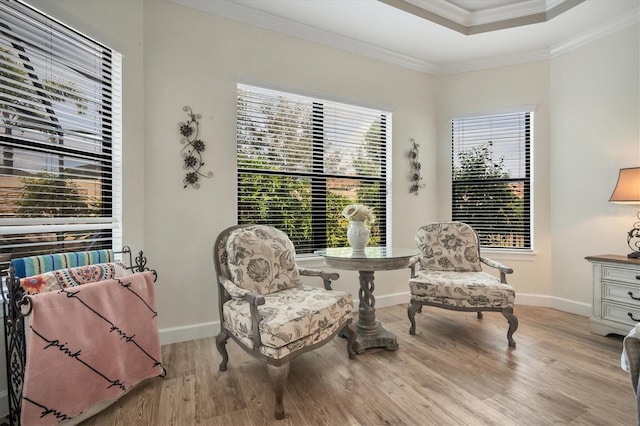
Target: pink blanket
[{"x": 88, "y": 344}]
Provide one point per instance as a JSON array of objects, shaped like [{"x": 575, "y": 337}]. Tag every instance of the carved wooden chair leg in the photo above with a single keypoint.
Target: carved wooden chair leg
[
  {"x": 278, "y": 376},
  {"x": 221, "y": 344},
  {"x": 411, "y": 313},
  {"x": 513, "y": 325},
  {"x": 480, "y": 315},
  {"x": 351, "y": 335}
]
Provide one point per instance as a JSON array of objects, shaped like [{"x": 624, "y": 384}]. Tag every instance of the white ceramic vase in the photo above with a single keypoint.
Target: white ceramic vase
[{"x": 358, "y": 235}]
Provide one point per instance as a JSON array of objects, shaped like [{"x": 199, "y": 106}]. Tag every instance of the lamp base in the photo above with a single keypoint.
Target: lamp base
[{"x": 634, "y": 255}]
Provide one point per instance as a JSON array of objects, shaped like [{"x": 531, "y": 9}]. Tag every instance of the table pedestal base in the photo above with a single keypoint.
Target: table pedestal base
[
  {"x": 369, "y": 332},
  {"x": 381, "y": 338}
]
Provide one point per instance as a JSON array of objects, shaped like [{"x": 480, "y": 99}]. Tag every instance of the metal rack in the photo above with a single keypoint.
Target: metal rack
[{"x": 16, "y": 306}]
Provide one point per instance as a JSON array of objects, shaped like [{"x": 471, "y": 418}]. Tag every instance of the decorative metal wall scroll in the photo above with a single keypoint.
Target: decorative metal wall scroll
[
  {"x": 192, "y": 150},
  {"x": 414, "y": 169}
]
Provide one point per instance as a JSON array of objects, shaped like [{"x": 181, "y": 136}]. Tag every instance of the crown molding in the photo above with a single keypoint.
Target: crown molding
[
  {"x": 493, "y": 62},
  {"x": 610, "y": 27},
  {"x": 271, "y": 22},
  {"x": 254, "y": 17},
  {"x": 467, "y": 18},
  {"x": 466, "y": 22},
  {"x": 507, "y": 12}
]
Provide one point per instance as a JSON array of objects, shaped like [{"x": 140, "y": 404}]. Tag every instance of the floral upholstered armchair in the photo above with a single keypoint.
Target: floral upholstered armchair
[
  {"x": 266, "y": 309},
  {"x": 447, "y": 273}
]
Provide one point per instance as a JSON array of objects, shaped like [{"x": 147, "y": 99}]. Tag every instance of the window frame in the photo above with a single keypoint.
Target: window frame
[
  {"x": 318, "y": 177},
  {"x": 526, "y": 150},
  {"x": 105, "y": 153}
]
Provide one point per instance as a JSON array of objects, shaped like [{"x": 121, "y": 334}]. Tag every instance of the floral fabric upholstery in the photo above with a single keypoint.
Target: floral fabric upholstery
[
  {"x": 448, "y": 246},
  {"x": 234, "y": 290},
  {"x": 291, "y": 319},
  {"x": 461, "y": 289},
  {"x": 261, "y": 259},
  {"x": 450, "y": 273},
  {"x": 71, "y": 277}
]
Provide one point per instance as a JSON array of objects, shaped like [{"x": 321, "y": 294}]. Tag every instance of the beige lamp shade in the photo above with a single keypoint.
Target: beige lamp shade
[{"x": 628, "y": 187}]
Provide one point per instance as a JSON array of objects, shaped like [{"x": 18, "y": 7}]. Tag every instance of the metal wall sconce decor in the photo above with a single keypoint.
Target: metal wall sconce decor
[
  {"x": 191, "y": 152},
  {"x": 414, "y": 169}
]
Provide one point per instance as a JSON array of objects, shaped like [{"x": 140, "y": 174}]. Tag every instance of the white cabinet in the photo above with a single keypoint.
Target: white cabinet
[{"x": 616, "y": 294}]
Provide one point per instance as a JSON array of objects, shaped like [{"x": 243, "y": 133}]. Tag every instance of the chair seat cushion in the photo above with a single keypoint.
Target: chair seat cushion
[
  {"x": 463, "y": 289},
  {"x": 318, "y": 338},
  {"x": 289, "y": 315}
]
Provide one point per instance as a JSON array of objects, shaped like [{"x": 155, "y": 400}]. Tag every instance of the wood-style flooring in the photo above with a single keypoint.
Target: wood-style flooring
[{"x": 456, "y": 370}]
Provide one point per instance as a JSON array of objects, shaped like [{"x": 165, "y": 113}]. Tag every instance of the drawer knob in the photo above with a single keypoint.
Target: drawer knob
[
  {"x": 630, "y": 293},
  {"x": 631, "y": 316},
  {"x": 637, "y": 277}
]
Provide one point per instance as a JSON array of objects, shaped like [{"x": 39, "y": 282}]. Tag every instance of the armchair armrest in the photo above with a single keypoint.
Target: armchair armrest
[
  {"x": 253, "y": 299},
  {"x": 327, "y": 277},
  {"x": 233, "y": 290},
  {"x": 412, "y": 264},
  {"x": 499, "y": 266}
]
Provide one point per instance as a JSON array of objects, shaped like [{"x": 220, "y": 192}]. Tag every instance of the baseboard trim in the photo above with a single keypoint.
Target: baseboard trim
[
  {"x": 189, "y": 332},
  {"x": 208, "y": 329},
  {"x": 565, "y": 305}
]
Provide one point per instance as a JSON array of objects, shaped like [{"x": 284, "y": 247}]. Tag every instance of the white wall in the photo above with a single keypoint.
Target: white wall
[
  {"x": 586, "y": 127},
  {"x": 595, "y": 105},
  {"x": 498, "y": 90},
  {"x": 196, "y": 59}
]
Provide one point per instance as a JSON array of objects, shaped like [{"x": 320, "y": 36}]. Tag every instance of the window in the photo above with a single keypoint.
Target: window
[
  {"x": 59, "y": 137},
  {"x": 491, "y": 178},
  {"x": 302, "y": 160}
]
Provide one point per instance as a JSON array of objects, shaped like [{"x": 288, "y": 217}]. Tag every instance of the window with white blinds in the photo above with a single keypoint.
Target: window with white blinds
[
  {"x": 301, "y": 161},
  {"x": 59, "y": 139},
  {"x": 491, "y": 178}
]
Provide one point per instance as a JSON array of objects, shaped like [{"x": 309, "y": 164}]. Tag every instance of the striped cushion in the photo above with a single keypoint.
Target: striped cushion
[{"x": 36, "y": 265}]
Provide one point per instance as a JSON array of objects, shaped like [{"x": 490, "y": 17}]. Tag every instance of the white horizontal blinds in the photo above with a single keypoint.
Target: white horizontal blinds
[
  {"x": 301, "y": 160},
  {"x": 491, "y": 177},
  {"x": 60, "y": 134}
]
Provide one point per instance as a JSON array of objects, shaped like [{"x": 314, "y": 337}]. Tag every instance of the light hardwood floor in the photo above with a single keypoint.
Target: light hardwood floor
[{"x": 457, "y": 370}]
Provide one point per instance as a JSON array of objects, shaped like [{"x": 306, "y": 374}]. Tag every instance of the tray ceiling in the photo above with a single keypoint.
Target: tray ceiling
[{"x": 438, "y": 37}]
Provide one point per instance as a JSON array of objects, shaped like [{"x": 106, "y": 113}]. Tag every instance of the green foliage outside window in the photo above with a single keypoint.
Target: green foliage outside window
[
  {"x": 485, "y": 197},
  {"x": 46, "y": 195}
]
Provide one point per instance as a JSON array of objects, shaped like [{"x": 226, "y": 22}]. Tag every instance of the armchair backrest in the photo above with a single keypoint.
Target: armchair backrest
[
  {"x": 257, "y": 258},
  {"x": 448, "y": 246}
]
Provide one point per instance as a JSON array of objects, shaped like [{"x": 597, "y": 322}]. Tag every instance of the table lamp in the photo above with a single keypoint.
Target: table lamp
[{"x": 627, "y": 191}]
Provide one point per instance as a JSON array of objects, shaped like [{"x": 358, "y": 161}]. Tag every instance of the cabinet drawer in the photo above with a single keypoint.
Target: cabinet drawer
[
  {"x": 620, "y": 293},
  {"x": 631, "y": 276},
  {"x": 620, "y": 313}
]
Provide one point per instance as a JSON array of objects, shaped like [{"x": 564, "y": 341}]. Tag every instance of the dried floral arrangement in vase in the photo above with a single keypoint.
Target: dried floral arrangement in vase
[{"x": 357, "y": 232}]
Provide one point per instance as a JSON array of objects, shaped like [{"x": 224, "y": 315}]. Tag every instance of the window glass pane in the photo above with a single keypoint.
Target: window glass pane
[{"x": 273, "y": 132}]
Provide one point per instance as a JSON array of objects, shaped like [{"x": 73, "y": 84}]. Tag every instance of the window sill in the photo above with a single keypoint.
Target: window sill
[{"x": 506, "y": 254}]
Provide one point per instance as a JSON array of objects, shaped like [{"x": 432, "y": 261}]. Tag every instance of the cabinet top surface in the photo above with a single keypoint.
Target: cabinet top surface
[{"x": 615, "y": 258}]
